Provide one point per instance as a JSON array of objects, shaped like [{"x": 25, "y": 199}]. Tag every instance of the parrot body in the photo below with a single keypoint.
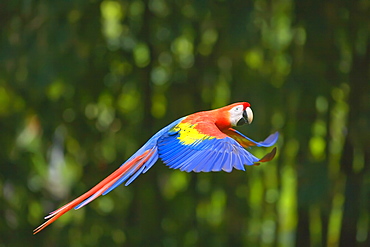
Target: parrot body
[{"x": 200, "y": 142}]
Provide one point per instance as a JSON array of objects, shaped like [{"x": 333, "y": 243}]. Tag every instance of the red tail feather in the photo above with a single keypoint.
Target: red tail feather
[{"x": 94, "y": 192}]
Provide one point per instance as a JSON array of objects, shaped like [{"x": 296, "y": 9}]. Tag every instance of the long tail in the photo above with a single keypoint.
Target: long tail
[{"x": 131, "y": 169}]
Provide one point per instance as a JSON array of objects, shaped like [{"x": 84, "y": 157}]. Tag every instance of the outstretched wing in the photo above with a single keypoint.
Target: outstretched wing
[
  {"x": 202, "y": 147},
  {"x": 248, "y": 142}
]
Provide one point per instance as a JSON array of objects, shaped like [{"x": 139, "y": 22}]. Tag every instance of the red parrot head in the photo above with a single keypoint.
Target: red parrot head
[
  {"x": 240, "y": 113},
  {"x": 234, "y": 115}
]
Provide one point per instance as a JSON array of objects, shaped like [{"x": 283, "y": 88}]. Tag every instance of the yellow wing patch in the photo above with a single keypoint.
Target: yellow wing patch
[{"x": 188, "y": 134}]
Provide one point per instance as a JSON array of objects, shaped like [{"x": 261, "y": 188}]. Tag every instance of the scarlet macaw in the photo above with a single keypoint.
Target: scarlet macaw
[{"x": 201, "y": 142}]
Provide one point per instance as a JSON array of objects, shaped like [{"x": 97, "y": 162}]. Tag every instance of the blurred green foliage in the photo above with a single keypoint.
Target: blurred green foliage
[{"x": 83, "y": 84}]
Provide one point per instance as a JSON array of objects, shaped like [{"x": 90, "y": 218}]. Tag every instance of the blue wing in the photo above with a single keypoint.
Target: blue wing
[
  {"x": 248, "y": 142},
  {"x": 204, "y": 153}
]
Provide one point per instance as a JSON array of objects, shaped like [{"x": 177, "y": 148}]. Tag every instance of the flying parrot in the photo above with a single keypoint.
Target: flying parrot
[{"x": 201, "y": 142}]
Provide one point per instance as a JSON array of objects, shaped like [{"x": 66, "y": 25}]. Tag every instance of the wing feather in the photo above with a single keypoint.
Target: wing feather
[
  {"x": 208, "y": 164},
  {"x": 202, "y": 147},
  {"x": 248, "y": 142},
  {"x": 206, "y": 161}
]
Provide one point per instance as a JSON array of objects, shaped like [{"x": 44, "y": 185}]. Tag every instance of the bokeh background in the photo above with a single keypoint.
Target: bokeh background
[{"x": 83, "y": 84}]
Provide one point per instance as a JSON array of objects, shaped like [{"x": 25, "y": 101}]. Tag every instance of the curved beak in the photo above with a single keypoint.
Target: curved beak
[{"x": 247, "y": 117}]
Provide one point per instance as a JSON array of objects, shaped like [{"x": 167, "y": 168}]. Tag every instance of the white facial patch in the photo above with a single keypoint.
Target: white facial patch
[{"x": 236, "y": 113}]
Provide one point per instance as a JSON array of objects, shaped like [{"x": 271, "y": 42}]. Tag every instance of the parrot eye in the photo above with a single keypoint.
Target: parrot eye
[
  {"x": 236, "y": 113},
  {"x": 238, "y": 109}
]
